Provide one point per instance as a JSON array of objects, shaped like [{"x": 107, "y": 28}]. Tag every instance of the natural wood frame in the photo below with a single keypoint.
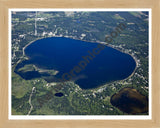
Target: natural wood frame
[{"x": 4, "y": 39}]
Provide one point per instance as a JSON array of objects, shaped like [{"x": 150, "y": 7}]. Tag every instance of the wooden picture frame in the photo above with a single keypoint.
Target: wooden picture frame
[{"x": 4, "y": 62}]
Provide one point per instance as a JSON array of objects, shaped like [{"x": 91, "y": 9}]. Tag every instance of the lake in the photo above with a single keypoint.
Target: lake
[
  {"x": 87, "y": 64},
  {"x": 130, "y": 101}
]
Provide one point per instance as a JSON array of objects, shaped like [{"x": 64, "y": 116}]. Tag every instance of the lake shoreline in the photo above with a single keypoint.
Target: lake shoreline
[{"x": 91, "y": 42}]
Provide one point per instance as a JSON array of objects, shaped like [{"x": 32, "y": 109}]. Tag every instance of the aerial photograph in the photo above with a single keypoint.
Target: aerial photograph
[{"x": 79, "y": 62}]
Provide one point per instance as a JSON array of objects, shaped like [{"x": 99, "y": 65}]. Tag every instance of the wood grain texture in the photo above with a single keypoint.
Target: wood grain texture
[{"x": 6, "y": 4}]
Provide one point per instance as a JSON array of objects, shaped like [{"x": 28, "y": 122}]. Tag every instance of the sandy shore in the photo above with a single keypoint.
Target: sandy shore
[{"x": 29, "y": 44}]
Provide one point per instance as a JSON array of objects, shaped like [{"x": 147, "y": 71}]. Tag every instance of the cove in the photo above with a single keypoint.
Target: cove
[{"x": 63, "y": 54}]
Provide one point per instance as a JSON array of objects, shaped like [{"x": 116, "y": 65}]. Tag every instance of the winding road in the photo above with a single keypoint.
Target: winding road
[{"x": 30, "y": 101}]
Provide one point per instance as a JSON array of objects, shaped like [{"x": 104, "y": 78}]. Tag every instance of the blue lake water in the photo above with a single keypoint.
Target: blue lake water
[{"x": 88, "y": 64}]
